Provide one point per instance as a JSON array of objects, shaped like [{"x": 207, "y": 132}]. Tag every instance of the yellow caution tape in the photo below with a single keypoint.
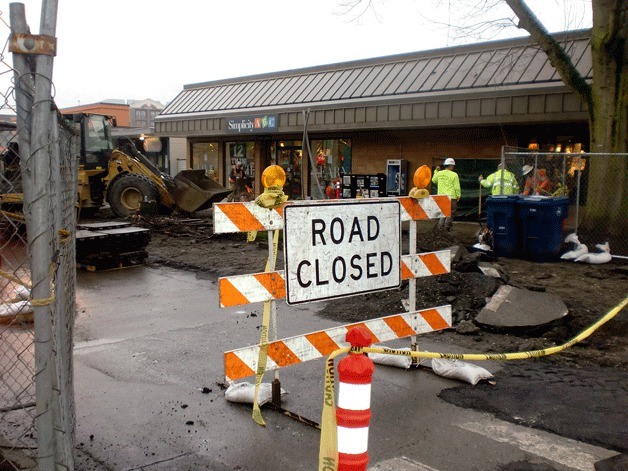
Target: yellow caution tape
[
  {"x": 34, "y": 302},
  {"x": 271, "y": 198},
  {"x": 64, "y": 236},
  {"x": 263, "y": 342},
  {"x": 328, "y": 453}
]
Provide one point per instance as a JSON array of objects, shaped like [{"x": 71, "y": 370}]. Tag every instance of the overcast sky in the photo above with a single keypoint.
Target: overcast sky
[{"x": 136, "y": 49}]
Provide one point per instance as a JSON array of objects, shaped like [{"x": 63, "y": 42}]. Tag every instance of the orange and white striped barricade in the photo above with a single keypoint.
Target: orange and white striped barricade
[
  {"x": 242, "y": 362},
  {"x": 271, "y": 285},
  {"x": 248, "y": 216},
  {"x": 266, "y": 286},
  {"x": 353, "y": 413}
]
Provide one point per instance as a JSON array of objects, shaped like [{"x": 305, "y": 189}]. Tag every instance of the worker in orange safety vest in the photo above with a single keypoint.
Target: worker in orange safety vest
[{"x": 544, "y": 185}]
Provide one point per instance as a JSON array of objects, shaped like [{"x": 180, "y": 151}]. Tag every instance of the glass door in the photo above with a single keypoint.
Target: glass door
[{"x": 289, "y": 156}]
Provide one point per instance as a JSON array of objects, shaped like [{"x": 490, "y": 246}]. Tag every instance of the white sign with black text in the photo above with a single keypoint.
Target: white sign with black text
[{"x": 341, "y": 249}]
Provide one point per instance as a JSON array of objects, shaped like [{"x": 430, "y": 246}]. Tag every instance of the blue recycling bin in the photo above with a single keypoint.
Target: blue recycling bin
[
  {"x": 542, "y": 220},
  {"x": 502, "y": 220}
]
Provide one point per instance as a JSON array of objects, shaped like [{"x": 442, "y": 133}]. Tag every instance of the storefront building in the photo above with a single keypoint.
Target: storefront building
[{"x": 464, "y": 102}]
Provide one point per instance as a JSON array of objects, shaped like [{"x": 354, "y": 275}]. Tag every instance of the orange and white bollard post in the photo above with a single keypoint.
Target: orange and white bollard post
[{"x": 353, "y": 413}]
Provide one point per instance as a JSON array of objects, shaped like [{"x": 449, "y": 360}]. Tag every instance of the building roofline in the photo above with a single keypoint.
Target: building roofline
[
  {"x": 438, "y": 52},
  {"x": 98, "y": 103}
]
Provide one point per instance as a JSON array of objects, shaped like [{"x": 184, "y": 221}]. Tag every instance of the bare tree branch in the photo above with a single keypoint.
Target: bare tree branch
[
  {"x": 557, "y": 55},
  {"x": 351, "y": 8}
]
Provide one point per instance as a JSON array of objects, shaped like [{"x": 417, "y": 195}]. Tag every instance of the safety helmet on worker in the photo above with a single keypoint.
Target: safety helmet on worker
[
  {"x": 449, "y": 161},
  {"x": 526, "y": 169}
]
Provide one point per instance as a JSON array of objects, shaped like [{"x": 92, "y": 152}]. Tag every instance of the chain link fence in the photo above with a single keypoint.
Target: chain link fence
[
  {"x": 593, "y": 184},
  {"x": 37, "y": 275}
]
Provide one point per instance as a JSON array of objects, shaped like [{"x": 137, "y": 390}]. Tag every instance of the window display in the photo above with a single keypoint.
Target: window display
[
  {"x": 241, "y": 170},
  {"x": 205, "y": 156},
  {"x": 289, "y": 155},
  {"x": 333, "y": 160}
]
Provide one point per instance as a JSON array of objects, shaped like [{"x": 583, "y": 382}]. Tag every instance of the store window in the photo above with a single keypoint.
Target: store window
[
  {"x": 242, "y": 153},
  {"x": 289, "y": 155},
  {"x": 241, "y": 170},
  {"x": 205, "y": 156},
  {"x": 333, "y": 160}
]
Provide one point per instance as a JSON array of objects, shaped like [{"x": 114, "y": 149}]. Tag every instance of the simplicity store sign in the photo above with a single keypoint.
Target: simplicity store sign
[
  {"x": 341, "y": 249},
  {"x": 251, "y": 124}
]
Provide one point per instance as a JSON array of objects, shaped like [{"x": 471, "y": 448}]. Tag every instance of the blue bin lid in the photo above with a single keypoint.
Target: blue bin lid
[
  {"x": 543, "y": 200},
  {"x": 503, "y": 199}
]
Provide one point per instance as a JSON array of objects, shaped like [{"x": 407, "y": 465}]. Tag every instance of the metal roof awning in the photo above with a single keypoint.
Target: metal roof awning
[{"x": 507, "y": 68}]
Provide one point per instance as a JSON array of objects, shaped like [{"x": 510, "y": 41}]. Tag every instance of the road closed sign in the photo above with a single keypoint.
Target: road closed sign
[{"x": 341, "y": 249}]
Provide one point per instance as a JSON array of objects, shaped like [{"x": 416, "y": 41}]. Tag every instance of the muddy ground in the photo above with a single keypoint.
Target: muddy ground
[
  {"x": 588, "y": 290},
  {"x": 580, "y": 393}
]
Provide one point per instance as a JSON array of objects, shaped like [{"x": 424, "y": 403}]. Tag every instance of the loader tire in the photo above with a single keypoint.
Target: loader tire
[{"x": 126, "y": 194}]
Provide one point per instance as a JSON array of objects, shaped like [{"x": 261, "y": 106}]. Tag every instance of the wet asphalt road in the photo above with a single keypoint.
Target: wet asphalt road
[{"x": 149, "y": 374}]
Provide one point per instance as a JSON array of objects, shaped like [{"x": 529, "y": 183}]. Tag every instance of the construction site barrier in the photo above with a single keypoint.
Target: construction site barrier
[
  {"x": 249, "y": 216},
  {"x": 267, "y": 214},
  {"x": 267, "y": 286},
  {"x": 329, "y": 451},
  {"x": 243, "y": 362}
]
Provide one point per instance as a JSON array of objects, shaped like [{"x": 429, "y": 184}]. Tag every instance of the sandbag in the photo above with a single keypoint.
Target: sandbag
[
  {"x": 399, "y": 361},
  {"x": 603, "y": 255},
  {"x": 245, "y": 393},
  {"x": 578, "y": 251},
  {"x": 22, "y": 292},
  {"x": 456, "y": 369},
  {"x": 13, "y": 309}
]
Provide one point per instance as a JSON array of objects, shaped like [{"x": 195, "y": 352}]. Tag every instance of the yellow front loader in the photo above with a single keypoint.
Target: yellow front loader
[{"x": 124, "y": 177}]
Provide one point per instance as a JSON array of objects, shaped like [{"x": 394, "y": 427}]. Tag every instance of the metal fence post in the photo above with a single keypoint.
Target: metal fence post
[{"x": 35, "y": 165}]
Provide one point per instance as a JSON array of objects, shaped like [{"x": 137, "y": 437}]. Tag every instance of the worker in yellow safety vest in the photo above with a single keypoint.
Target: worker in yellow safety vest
[
  {"x": 502, "y": 182},
  {"x": 447, "y": 183}
]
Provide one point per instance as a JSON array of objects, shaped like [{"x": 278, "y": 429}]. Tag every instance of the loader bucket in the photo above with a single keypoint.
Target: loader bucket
[{"x": 196, "y": 191}]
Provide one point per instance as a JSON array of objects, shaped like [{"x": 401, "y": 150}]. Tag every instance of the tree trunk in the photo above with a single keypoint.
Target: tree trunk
[
  {"x": 607, "y": 197},
  {"x": 607, "y": 103}
]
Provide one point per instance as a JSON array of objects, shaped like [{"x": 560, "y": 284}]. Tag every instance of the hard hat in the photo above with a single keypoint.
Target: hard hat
[
  {"x": 449, "y": 161},
  {"x": 526, "y": 169}
]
